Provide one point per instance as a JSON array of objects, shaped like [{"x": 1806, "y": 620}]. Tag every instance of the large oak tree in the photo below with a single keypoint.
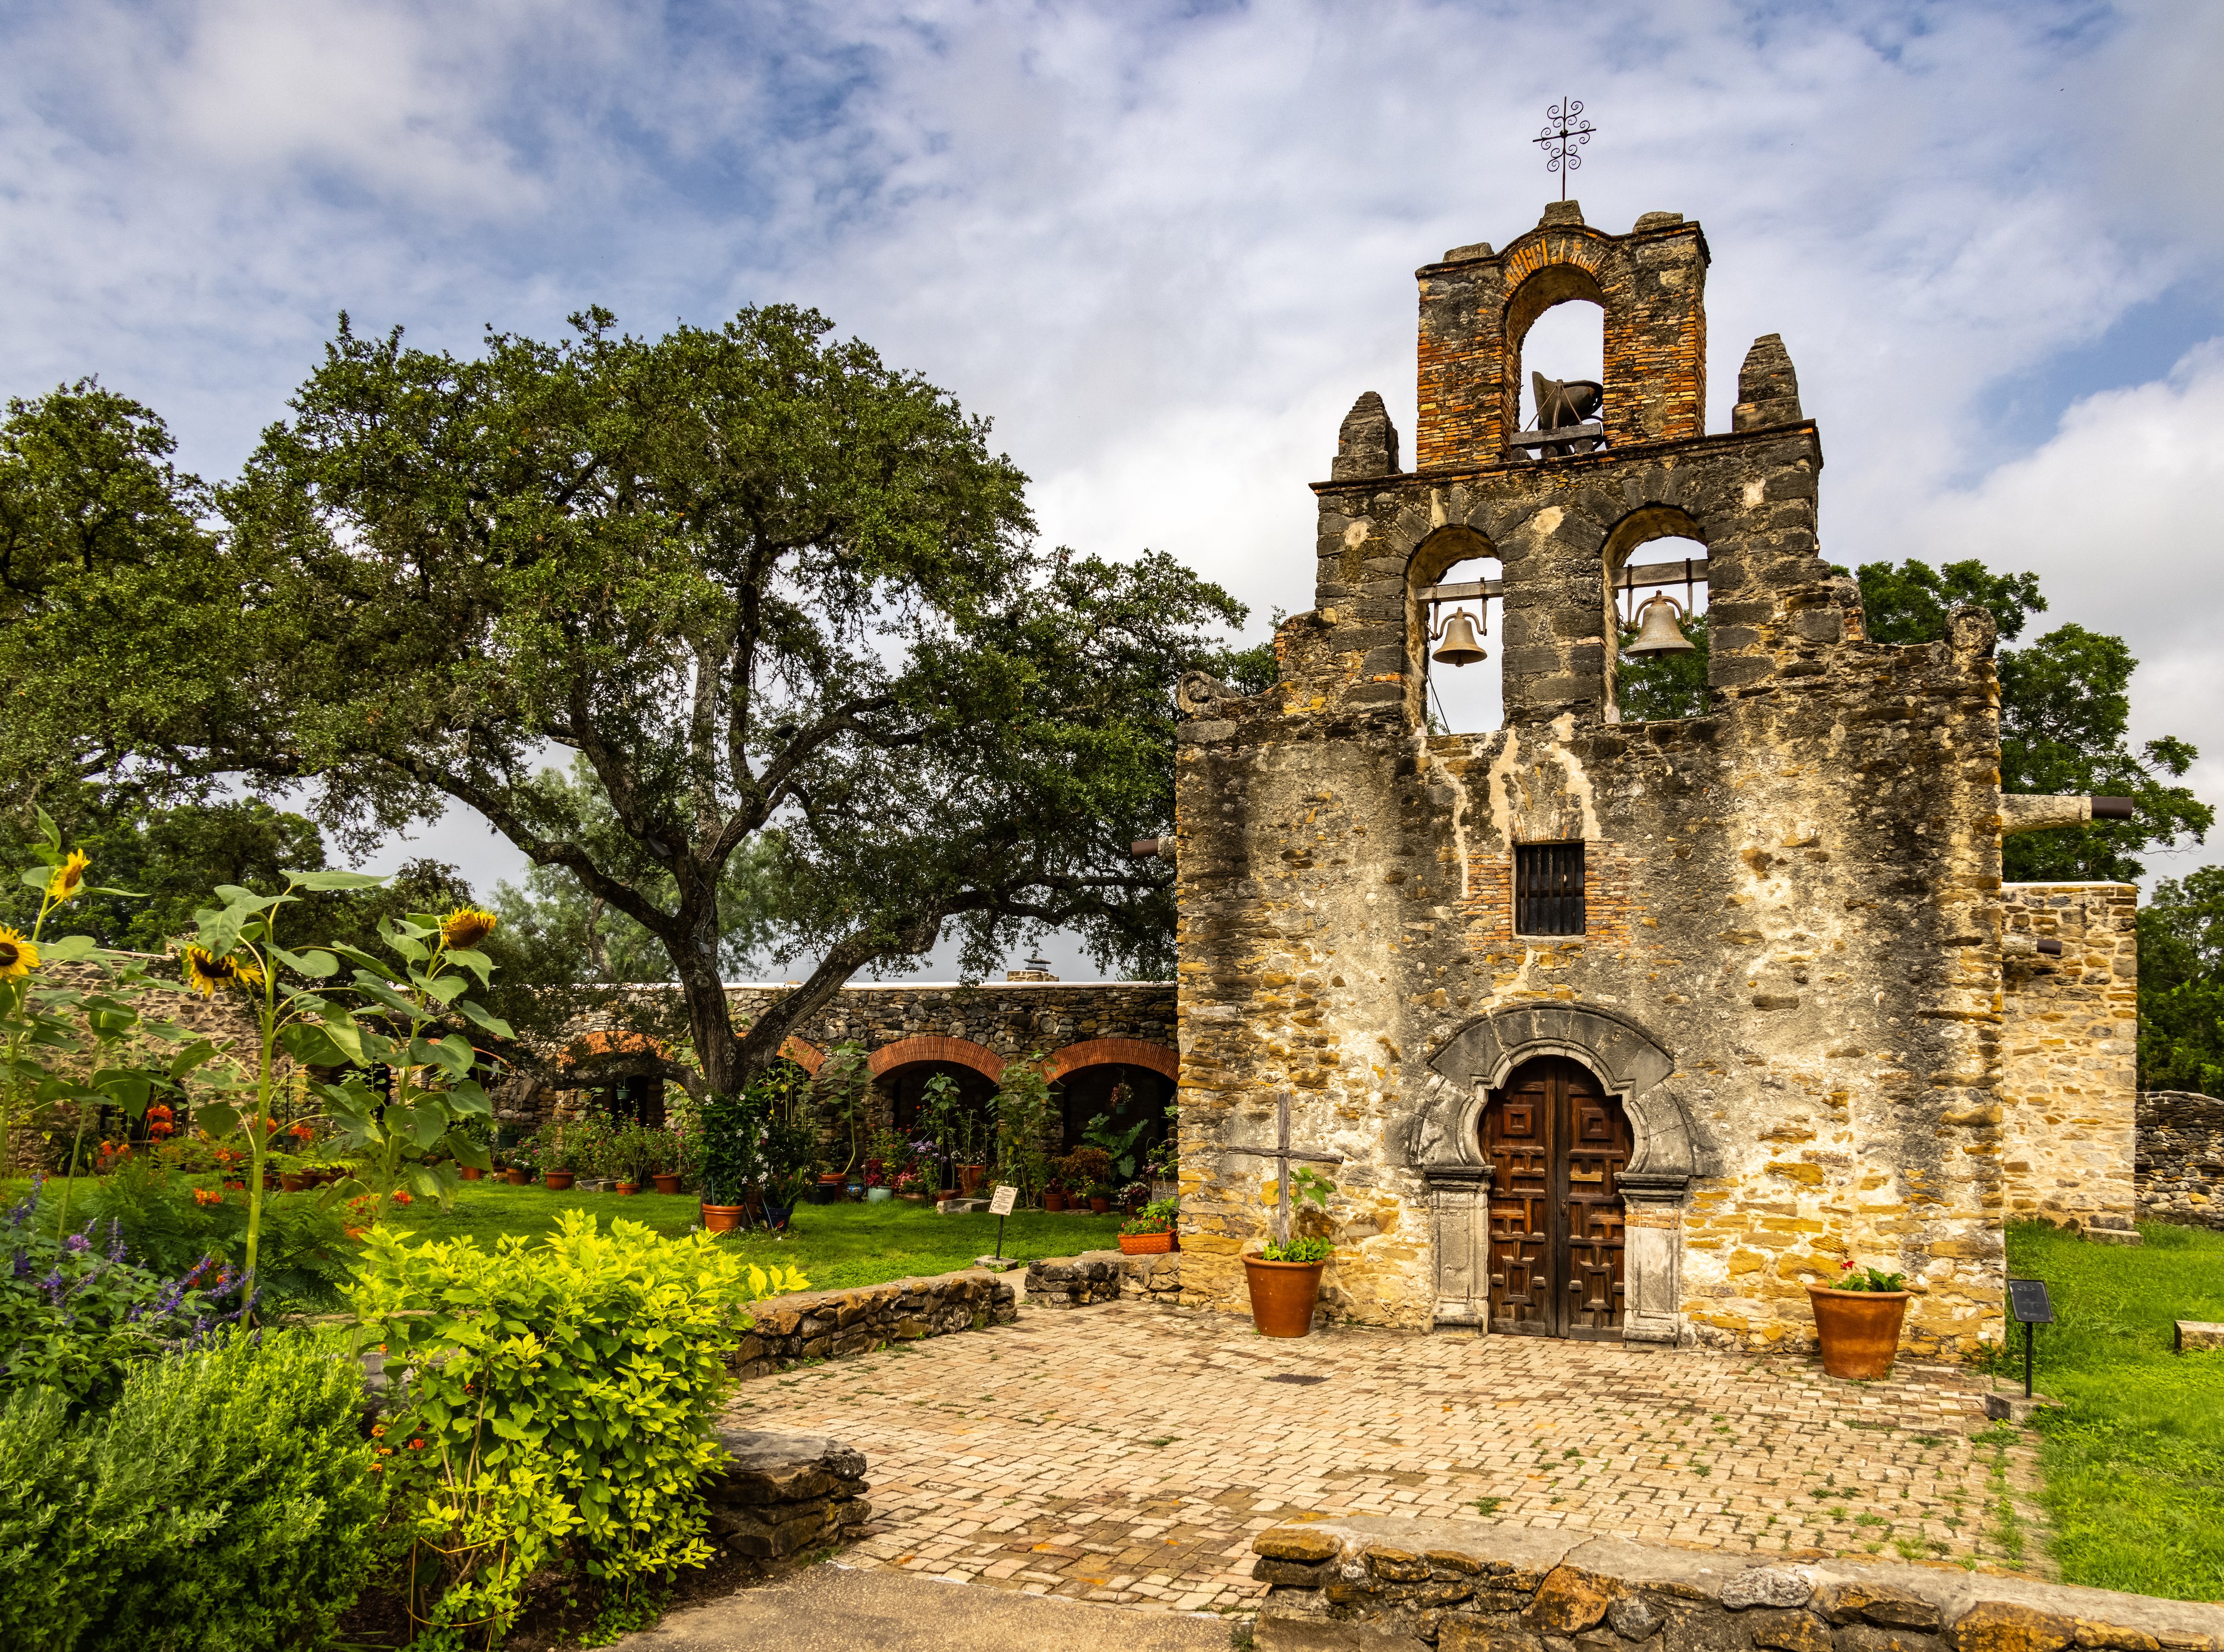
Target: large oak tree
[{"x": 782, "y": 600}]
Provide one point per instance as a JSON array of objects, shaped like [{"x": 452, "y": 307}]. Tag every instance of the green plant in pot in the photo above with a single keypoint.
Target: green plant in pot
[
  {"x": 1857, "y": 1320},
  {"x": 729, "y": 1159},
  {"x": 1150, "y": 1230},
  {"x": 1284, "y": 1277}
]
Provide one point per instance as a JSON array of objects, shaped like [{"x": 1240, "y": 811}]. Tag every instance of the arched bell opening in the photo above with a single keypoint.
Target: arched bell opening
[
  {"x": 1454, "y": 614},
  {"x": 1654, "y": 568},
  {"x": 1556, "y": 359}
]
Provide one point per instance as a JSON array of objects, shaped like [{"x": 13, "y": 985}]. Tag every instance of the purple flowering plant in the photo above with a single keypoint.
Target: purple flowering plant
[{"x": 76, "y": 1311}]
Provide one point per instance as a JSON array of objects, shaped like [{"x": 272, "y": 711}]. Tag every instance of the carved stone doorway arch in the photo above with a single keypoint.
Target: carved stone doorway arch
[{"x": 1446, "y": 1146}]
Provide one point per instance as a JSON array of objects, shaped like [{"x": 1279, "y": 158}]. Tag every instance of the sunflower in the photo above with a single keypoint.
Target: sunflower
[
  {"x": 17, "y": 956},
  {"x": 466, "y": 926},
  {"x": 63, "y": 881},
  {"x": 204, "y": 972}
]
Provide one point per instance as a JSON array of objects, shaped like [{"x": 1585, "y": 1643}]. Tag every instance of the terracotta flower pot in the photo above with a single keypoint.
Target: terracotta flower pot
[
  {"x": 628, "y": 1189},
  {"x": 913, "y": 1199},
  {"x": 1155, "y": 1244},
  {"x": 468, "y": 1172},
  {"x": 1099, "y": 1206},
  {"x": 1859, "y": 1330},
  {"x": 1054, "y": 1200},
  {"x": 292, "y": 1183},
  {"x": 971, "y": 1178},
  {"x": 515, "y": 1176},
  {"x": 666, "y": 1184},
  {"x": 1283, "y": 1295},
  {"x": 721, "y": 1219},
  {"x": 558, "y": 1181}
]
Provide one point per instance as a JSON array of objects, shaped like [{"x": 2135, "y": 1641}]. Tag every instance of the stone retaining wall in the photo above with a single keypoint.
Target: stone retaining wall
[
  {"x": 827, "y": 1325},
  {"x": 2181, "y": 1158},
  {"x": 781, "y": 1494},
  {"x": 1398, "y": 1585}
]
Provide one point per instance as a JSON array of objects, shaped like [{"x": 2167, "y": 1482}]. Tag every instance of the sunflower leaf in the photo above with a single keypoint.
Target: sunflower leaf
[
  {"x": 37, "y": 877},
  {"x": 69, "y": 949},
  {"x": 480, "y": 1018},
  {"x": 360, "y": 958},
  {"x": 217, "y": 1118},
  {"x": 218, "y": 932},
  {"x": 379, "y": 992},
  {"x": 477, "y": 962},
  {"x": 334, "y": 880},
  {"x": 315, "y": 964}
]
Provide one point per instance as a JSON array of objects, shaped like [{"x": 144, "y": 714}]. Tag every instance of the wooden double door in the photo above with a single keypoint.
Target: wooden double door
[{"x": 1557, "y": 1145}]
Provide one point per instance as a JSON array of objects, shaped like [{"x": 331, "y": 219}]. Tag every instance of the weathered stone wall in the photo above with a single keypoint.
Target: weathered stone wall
[
  {"x": 1392, "y": 1584},
  {"x": 1792, "y": 978},
  {"x": 2069, "y": 1057},
  {"x": 779, "y": 1495},
  {"x": 827, "y": 1325},
  {"x": 2181, "y": 1158},
  {"x": 1080, "y": 1281}
]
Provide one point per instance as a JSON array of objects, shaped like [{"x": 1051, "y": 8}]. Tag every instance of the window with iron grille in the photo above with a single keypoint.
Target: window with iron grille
[{"x": 1548, "y": 888}]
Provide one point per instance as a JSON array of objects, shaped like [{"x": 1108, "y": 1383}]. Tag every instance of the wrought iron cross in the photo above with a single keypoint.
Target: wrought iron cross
[
  {"x": 1282, "y": 1153},
  {"x": 1568, "y": 131}
]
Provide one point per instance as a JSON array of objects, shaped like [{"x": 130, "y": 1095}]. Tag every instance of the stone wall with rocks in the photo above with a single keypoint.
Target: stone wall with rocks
[
  {"x": 1071, "y": 1024},
  {"x": 2181, "y": 1158},
  {"x": 2069, "y": 1029},
  {"x": 783, "y": 1494},
  {"x": 1390, "y": 1584},
  {"x": 1083, "y": 1281},
  {"x": 827, "y": 1325}
]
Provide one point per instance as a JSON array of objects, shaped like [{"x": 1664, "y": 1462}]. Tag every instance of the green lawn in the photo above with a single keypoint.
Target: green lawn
[
  {"x": 834, "y": 1245},
  {"x": 2134, "y": 1461}
]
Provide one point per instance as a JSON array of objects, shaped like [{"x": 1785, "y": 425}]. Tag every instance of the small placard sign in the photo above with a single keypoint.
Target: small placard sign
[
  {"x": 1002, "y": 1203},
  {"x": 2027, "y": 1302}
]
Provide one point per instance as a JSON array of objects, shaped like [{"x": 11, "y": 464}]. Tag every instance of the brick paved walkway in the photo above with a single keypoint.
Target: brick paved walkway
[{"x": 1129, "y": 1453}]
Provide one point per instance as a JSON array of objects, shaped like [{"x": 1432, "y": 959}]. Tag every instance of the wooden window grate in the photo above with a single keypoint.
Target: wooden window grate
[{"x": 1548, "y": 888}]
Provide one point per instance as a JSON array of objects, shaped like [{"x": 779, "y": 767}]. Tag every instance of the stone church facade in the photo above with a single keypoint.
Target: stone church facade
[{"x": 1628, "y": 1030}]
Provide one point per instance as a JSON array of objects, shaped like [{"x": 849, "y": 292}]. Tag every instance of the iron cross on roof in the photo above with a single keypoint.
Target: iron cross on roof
[
  {"x": 1282, "y": 1153},
  {"x": 1568, "y": 132}
]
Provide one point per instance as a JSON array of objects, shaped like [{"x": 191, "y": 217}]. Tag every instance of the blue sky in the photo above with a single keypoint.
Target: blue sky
[{"x": 1165, "y": 246}]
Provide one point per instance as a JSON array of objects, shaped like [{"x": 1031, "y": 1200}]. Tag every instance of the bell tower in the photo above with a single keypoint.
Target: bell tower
[{"x": 1477, "y": 306}]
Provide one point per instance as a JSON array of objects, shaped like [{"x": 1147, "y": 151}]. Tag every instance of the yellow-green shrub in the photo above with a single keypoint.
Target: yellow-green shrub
[{"x": 553, "y": 1400}]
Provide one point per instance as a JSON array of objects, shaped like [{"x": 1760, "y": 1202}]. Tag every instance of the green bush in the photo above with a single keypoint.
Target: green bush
[
  {"x": 76, "y": 1313},
  {"x": 304, "y": 1258},
  {"x": 561, "y": 1403},
  {"x": 226, "y": 1501}
]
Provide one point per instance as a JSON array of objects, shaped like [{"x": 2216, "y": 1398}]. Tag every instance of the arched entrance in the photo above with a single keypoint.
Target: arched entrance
[{"x": 1557, "y": 1144}]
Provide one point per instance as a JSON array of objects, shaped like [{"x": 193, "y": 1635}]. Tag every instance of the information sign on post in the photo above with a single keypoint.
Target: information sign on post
[
  {"x": 1001, "y": 1205},
  {"x": 2028, "y": 1306}
]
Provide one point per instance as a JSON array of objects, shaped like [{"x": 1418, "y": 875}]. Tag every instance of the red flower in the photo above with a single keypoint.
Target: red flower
[
  {"x": 207, "y": 1196},
  {"x": 402, "y": 1199}
]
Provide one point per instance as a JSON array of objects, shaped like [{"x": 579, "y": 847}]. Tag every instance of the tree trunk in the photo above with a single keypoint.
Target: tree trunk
[{"x": 712, "y": 1029}]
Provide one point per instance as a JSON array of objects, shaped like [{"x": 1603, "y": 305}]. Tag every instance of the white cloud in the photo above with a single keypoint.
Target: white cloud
[
  {"x": 2117, "y": 516},
  {"x": 1166, "y": 245}
]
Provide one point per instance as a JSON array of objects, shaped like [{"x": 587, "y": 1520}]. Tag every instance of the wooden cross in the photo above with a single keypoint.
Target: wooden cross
[
  {"x": 1561, "y": 139},
  {"x": 1282, "y": 1153}
]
